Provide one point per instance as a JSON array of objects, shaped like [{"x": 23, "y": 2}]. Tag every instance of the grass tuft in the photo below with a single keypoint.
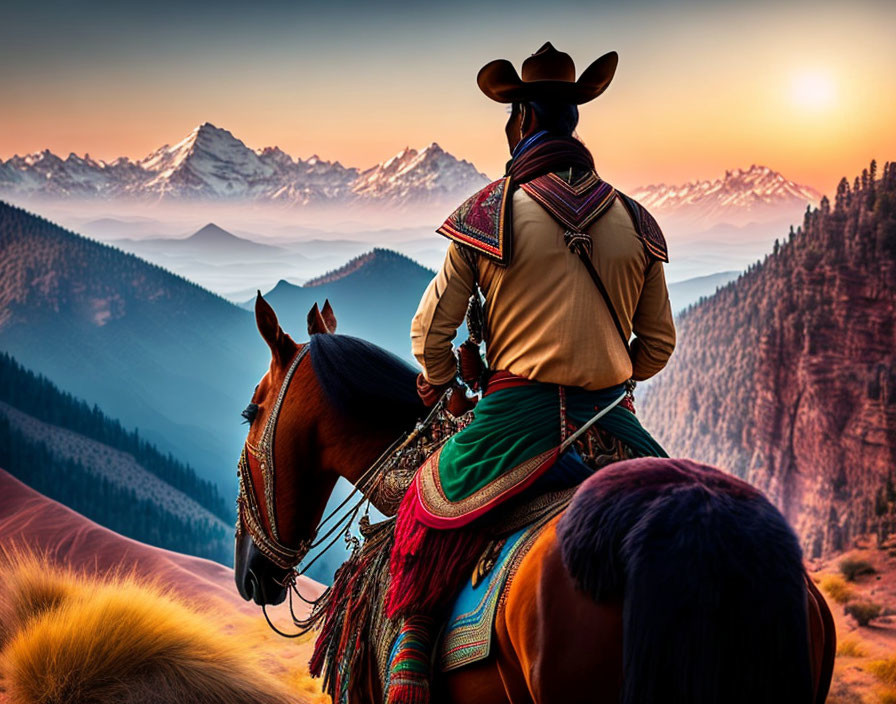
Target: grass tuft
[
  {"x": 30, "y": 590},
  {"x": 837, "y": 588},
  {"x": 864, "y": 612},
  {"x": 884, "y": 670},
  {"x": 68, "y": 638},
  {"x": 851, "y": 648}
]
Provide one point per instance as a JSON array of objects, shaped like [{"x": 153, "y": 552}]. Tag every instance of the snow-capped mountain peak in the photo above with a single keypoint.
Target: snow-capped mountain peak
[
  {"x": 210, "y": 163},
  {"x": 420, "y": 176},
  {"x": 45, "y": 156},
  {"x": 396, "y": 162},
  {"x": 741, "y": 195},
  {"x": 275, "y": 155}
]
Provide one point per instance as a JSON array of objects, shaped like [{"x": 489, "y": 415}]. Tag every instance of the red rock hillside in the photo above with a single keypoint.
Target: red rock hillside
[{"x": 786, "y": 376}]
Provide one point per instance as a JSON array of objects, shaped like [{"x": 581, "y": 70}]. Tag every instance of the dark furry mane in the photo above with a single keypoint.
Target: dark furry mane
[{"x": 364, "y": 382}]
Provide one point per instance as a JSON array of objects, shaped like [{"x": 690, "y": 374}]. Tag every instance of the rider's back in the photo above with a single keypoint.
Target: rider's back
[{"x": 545, "y": 318}]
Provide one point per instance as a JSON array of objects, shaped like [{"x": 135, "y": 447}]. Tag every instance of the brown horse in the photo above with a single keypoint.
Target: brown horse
[{"x": 664, "y": 581}]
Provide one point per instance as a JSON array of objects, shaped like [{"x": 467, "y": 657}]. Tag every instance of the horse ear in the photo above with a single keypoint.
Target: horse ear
[
  {"x": 316, "y": 324},
  {"x": 329, "y": 316},
  {"x": 271, "y": 332}
]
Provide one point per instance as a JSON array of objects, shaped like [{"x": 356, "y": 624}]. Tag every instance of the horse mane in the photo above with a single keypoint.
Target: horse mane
[{"x": 364, "y": 382}]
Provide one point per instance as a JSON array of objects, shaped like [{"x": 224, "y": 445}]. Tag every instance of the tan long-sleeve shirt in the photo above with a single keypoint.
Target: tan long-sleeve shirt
[{"x": 545, "y": 318}]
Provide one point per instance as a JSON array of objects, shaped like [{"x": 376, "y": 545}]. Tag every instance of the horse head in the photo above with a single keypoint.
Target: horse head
[
  {"x": 284, "y": 478},
  {"x": 313, "y": 417}
]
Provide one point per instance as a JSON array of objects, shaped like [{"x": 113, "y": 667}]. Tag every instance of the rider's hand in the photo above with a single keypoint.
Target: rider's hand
[
  {"x": 458, "y": 402},
  {"x": 429, "y": 393}
]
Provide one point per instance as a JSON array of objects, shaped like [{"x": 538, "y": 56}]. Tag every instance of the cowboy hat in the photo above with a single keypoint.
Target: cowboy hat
[{"x": 547, "y": 75}]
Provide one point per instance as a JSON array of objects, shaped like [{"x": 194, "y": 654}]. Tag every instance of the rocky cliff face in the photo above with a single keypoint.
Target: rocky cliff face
[{"x": 786, "y": 376}]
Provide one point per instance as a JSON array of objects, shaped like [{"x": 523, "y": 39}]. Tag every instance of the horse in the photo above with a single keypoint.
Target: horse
[{"x": 663, "y": 581}]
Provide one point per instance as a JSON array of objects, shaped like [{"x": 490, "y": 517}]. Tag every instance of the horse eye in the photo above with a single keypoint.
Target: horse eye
[{"x": 250, "y": 412}]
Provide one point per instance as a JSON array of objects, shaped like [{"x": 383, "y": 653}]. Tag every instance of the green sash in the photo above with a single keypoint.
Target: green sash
[{"x": 515, "y": 424}]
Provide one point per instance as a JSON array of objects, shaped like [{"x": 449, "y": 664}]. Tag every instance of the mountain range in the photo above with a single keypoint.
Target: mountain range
[
  {"x": 152, "y": 349},
  {"x": 211, "y": 164},
  {"x": 210, "y": 243},
  {"x": 787, "y": 375},
  {"x": 741, "y": 196},
  {"x": 156, "y": 351}
]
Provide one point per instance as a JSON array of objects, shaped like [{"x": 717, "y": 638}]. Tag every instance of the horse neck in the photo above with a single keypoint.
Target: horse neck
[
  {"x": 352, "y": 451},
  {"x": 350, "y": 446},
  {"x": 357, "y": 450}
]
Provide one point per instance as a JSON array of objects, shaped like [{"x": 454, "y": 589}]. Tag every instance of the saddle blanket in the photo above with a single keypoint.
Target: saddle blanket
[{"x": 467, "y": 637}]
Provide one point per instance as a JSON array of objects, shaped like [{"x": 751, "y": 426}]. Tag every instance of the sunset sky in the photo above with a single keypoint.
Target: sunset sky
[{"x": 807, "y": 88}]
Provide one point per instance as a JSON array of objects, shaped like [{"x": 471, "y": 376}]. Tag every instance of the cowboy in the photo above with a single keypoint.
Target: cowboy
[{"x": 569, "y": 268}]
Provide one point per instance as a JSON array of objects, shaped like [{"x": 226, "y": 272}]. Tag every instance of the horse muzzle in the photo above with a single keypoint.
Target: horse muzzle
[{"x": 257, "y": 578}]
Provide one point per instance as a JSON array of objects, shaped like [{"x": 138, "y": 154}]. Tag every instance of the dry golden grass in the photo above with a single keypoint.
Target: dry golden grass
[
  {"x": 66, "y": 638},
  {"x": 886, "y": 695},
  {"x": 851, "y": 648},
  {"x": 837, "y": 588},
  {"x": 884, "y": 670},
  {"x": 301, "y": 681}
]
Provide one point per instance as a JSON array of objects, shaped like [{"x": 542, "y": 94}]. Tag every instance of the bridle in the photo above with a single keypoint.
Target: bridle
[
  {"x": 269, "y": 544},
  {"x": 249, "y": 512}
]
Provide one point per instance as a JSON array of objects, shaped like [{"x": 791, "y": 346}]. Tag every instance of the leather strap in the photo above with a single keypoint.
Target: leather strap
[{"x": 589, "y": 265}]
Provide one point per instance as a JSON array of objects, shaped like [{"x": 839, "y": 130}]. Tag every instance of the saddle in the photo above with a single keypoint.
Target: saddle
[{"x": 355, "y": 632}]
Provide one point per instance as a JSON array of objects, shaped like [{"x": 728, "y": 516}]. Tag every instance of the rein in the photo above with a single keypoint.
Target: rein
[
  {"x": 268, "y": 544},
  {"x": 370, "y": 481}
]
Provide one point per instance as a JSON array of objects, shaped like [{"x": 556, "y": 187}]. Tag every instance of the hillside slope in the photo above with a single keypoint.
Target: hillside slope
[
  {"x": 68, "y": 541},
  {"x": 787, "y": 377},
  {"x": 374, "y": 296},
  {"x": 76, "y": 455},
  {"x": 30, "y": 519},
  {"x": 152, "y": 349},
  {"x": 683, "y": 294}
]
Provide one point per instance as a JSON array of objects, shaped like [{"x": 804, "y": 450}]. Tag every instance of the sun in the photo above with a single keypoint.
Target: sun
[{"x": 812, "y": 89}]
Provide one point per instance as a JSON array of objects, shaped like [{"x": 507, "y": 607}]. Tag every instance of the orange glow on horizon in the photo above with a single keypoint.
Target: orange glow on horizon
[{"x": 800, "y": 93}]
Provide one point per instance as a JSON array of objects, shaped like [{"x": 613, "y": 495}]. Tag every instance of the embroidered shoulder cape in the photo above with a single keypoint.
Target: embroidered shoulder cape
[{"x": 484, "y": 221}]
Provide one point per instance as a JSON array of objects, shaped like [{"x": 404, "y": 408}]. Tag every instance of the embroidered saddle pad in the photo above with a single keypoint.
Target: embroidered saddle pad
[
  {"x": 513, "y": 439},
  {"x": 467, "y": 636}
]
